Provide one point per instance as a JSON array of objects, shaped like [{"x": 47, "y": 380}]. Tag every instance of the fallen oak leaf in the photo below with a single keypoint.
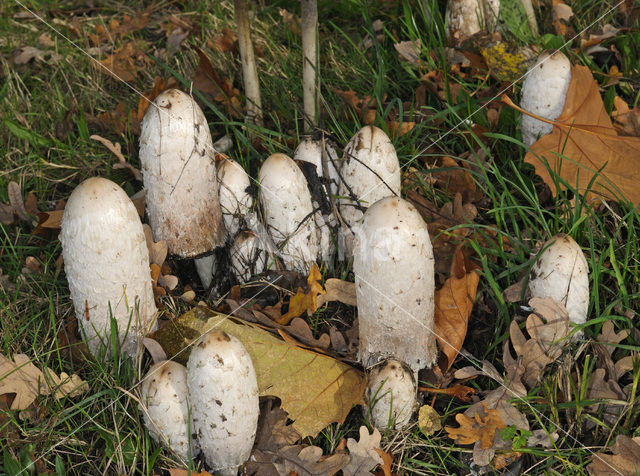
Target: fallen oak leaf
[
  {"x": 480, "y": 428},
  {"x": 625, "y": 460},
  {"x": 387, "y": 461},
  {"x": 363, "y": 453},
  {"x": 338, "y": 290},
  {"x": 584, "y": 134},
  {"x": 126, "y": 62},
  {"x": 309, "y": 461},
  {"x": 461, "y": 392},
  {"x": 302, "y": 301}
]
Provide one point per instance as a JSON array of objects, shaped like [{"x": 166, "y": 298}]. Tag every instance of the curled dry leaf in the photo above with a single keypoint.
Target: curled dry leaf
[
  {"x": 454, "y": 303},
  {"x": 126, "y": 62},
  {"x": 117, "y": 151},
  {"x": 305, "y": 302},
  {"x": 338, "y": 290},
  {"x": 363, "y": 454}
]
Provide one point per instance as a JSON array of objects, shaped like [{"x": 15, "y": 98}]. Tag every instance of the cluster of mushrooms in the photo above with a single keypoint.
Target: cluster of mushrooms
[{"x": 196, "y": 205}]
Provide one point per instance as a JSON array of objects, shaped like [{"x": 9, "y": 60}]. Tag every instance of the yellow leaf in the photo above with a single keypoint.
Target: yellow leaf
[
  {"x": 482, "y": 428},
  {"x": 315, "y": 389},
  {"x": 302, "y": 302}
]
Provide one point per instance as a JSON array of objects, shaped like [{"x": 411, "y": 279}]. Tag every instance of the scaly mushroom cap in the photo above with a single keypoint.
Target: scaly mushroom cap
[
  {"x": 391, "y": 395},
  {"x": 287, "y": 208},
  {"x": 177, "y": 156},
  {"x": 561, "y": 273},
  {"x": 465, "y": 18},
  {"x": 394, "y": 277},
  {"x": 235, "y": 201},
  {"x": 544, "y": 91},
  {"x": 370, "y": 171},
  {"x": 165, "y": 407},
  {"x": 224, "y": 400},
  {"x": 106, "y": 261},
  {"x": 248, "y": 256}
]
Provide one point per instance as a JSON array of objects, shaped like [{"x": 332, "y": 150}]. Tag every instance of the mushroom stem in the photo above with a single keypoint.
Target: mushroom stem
[
  {"x": 531, "y": 17},
  {"x": 310, "y": 64},
  {"x": 249, "y": 71}
]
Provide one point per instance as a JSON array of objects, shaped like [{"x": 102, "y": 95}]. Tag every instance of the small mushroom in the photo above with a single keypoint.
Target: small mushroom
[
  {"x": 235, "y": 200},
  {"x": 224, "y": 400},
  {"x": 561, "y": 273},
  {"x": 248, "y": 256},
  {"x": 288, "y": 212},
  {"x": 391, "y": 395},
  {"x": 165, "y": 407},
  {"x": 544, "y": 91},
  {"x": 465, "y": 18},
  {"x": 106, "y": 261},
  {"x": 394, "y": 276},
  {"x": 369, "y": 172}
]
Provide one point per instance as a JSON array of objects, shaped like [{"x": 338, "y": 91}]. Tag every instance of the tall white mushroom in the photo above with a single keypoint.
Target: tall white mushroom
[
  {"x": 369, "y": 171},
  {"x": 165, "y": 407},
  {"x": 288, "y": 212},
  {"x": 561, "y": 273},
  {"x": 544, "y": 92},
  {"x": 106, "y": 261},
  {"x": 465, "y": 18},
  {"x": 394, "y": 276},
  {"x": 223, "y": 389},
  {"x": 178, "y": 166}
]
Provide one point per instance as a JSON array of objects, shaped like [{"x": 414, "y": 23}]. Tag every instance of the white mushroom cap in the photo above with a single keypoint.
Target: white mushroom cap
[
  {"x": 106, "y": 261},
  {"x": 370, "y": 171},
  {"x": 235, "y": 201},
  {"x": 165, "y": 407},
  {"x": 391, "y": 395},
  {"x": 465, "y": 18},
  {"x": 561, "y": 273},
  {"x": 248, "y": 256},
  {"x": 177, "y": 156},
  {"x": 287, "y": 208},
  {"x": 394, "y": 277},
  {"x": 544, "y": 91},
  {"x": 224, "y": 400},
  {"x": 310, "y": 150}
]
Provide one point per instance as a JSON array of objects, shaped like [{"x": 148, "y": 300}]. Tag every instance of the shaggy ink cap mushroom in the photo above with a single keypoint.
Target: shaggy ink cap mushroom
[
  {"x": 165, "y": 407},
  {"x": 235, "y": 200},
  {"x": 561, "y": 273},
  {"x": 248, "y": 256},
  {"x": 369, "y": 171},
  {"x": 223, "y": 389},
  {"x": 106, "y": 262},
  {"x": 288, "y": 212},
  {"x": 394, "y": 277},
  {"x": 544, "y": 92},
  {"x": 179, "y": 171},
  {"x": 391, "y": 394}
]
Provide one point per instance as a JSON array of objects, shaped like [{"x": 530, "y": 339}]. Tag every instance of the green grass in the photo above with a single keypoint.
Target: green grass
[{"x": 103, "y": 432}]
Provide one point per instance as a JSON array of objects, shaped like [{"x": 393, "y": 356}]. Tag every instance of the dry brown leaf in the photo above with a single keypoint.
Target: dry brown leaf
[
  {"x": 21, "y": 377},
  {"x": 461, "y": 392},
  {"x": 454, "y": 303},
  {"x": 126, "y": 62},
  {"x": 560, "y": 14},
  {"x": 585, "y": 136},
  {"x": 627, "y": 121},
  {"x": 119, "y": 28},
  {"x": 27, "y": 53},
  {"x": 309, "y": 461},
  {"x": 480, "y": 428},
  {"x": 409, "y": 51},
  {"x": 304, "y": 302},
  {"x": 16, "y": 201},
  {"x": 215, "y": 86},
  {"x": 184, "y": 472},
  {"x": 225, "y": 42},
  {"x": 625, "y": 460},
  {"x": 385, "y": 468},
  {"x": 363, "y": 455},
  {"x": 338, "y": 290}
]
